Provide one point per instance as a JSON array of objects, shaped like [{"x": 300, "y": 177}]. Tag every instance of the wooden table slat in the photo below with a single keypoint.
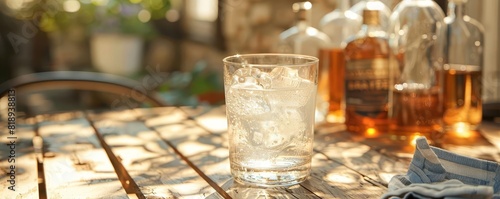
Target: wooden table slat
[
  {"x": 315, "y": 187},
  {"x": 182, "y": 152},
  {"x": 75, "y": 163},
  {"x": 152, "y": 164},
  {"x": 24, "y": 174}
]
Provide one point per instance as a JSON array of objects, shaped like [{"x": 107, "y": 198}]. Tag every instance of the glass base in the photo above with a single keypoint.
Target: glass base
[
  {"x": 265, "y": 178},
  {"x": 284, "y": 170}
]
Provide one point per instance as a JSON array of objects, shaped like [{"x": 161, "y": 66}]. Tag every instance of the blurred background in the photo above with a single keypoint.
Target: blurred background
[{"x": 183, "y": 40}]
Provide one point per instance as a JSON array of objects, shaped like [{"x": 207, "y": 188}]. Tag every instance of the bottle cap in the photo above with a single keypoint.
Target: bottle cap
[
  {"x": 301, "y": 8},
  {"x": 371, "y": 17}
]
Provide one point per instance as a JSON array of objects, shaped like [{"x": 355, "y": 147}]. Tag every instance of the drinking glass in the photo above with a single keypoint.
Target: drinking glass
[{"x": 270, "y": 104}]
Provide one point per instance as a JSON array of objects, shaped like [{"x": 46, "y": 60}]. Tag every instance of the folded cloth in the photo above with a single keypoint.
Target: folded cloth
[{"x": 437, "y": 173}]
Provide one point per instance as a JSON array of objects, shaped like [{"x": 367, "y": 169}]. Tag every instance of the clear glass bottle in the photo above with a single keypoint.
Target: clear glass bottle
[
  {"x": 367, "y": 78},
  {"x": 339, "y": 25},
  {"x": 416, "y": 38},
  {"x": 305, "y": 39},
  {"x": 384, "y": 10},
  {"x": 302, "y": 38},
  {"x": 463, "y": 62}
]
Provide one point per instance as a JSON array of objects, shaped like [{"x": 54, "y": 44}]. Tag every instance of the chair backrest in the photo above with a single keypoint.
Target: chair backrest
[{"x": 80, "y": 80}]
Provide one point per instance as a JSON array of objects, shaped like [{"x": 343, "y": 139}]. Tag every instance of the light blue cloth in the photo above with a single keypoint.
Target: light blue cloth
[{"x": 437, "y": 173}]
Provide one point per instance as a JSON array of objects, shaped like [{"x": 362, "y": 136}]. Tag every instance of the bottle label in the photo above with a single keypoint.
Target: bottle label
[{"x": 367, "y": 85}]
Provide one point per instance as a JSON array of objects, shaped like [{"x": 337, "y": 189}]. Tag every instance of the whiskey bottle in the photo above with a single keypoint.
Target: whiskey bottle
[
  {"x": 416, "y": 33},
  {"x": 367, "y": 78},
  {"x": 462, "y": 69},
  {"x": 339, "y": 25},
  {"x": 307, "y": 40}
]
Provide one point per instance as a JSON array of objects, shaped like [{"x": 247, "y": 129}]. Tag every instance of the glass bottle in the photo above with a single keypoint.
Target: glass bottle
[
  {"x": 339, "y": 25},
  {"x": 463, "y": 61},
  {"x": 305, "y": 39},
  {"x": 367, "y": 78},
  {"x": 384, "y": 10},
  {"x": 416, "y": 100}
]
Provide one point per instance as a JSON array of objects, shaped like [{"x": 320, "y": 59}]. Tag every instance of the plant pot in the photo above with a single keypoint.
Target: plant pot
[
  {"x": 213, "y": 97},
  {"x": 117, "y": 54},
  {"x": 69, "y": 49}
]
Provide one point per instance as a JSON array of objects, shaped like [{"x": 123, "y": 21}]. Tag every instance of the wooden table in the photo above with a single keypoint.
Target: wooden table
[{"x": 173, "y": 152}]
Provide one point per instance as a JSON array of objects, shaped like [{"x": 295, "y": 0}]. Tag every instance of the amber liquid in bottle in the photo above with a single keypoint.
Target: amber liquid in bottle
[
  {"x": 416, "y": 112},
  {"x": 333, "y": 82},
  {"x": 367, "y": 79},
  {"x": 367, "y": 84},
  {"x": 462, "y": 97}
]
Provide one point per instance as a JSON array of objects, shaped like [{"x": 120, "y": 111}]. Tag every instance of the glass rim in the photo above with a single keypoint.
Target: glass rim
[{"x": 307, "y": 58}]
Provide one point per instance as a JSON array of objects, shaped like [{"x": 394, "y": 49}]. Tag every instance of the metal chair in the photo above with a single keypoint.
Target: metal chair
[{"x": 122, "y": 87}]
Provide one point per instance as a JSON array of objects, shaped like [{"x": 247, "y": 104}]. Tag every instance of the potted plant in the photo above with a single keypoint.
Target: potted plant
[{"x": 117, "y": 29}]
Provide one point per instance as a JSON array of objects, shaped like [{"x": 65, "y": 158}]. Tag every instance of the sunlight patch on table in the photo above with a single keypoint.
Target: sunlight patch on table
[
  {"x": 214, "y": 123},
  {"x": 358, "y": 151},
  {"x": 192, "y": 148},
  {"x": 172, "y": 118},
  {"x": 123, "y": 140},
  {"x": 346, "y": 178}
]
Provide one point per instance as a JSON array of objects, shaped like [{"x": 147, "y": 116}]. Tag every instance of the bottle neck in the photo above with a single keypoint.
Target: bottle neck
[
  {"x": 371, "y": 17},
  {"x": 343, "y": 5},
  {"x": 370, "y": 28},
  {"x": 456, "y": 10},
  {"x": 302, "y": 25},
  {"x": 371, "y": 22},
  {"x": 303, "y": 17}
]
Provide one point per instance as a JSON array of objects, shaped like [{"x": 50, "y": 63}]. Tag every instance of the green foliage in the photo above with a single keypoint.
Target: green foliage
[{"x": 104, "y": 15}]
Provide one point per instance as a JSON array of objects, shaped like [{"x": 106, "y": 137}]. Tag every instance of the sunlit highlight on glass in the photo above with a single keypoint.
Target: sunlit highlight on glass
[
  {"x": 375, "y": 5},
  {"x": 414, "y": 137},
  {"x": 371, "y": 132},
  {"x": 462, "y": 130},
  {"x": 307, "y": 6},
  {"x": 351, "y": 14}
]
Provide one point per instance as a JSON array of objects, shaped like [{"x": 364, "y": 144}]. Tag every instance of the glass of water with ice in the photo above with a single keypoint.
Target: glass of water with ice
[{"x": 270, "y": 102}]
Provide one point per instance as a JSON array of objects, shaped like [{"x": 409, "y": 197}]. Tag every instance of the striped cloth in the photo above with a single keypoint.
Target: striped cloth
[{"x": 437, "y": 173}]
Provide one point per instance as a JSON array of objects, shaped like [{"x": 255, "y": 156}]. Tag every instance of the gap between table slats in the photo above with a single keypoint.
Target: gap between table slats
[
  {"x": 39, "y": 151},
  {"x": 128, "y": 183},
  {"x": 191, "y": 164}
]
